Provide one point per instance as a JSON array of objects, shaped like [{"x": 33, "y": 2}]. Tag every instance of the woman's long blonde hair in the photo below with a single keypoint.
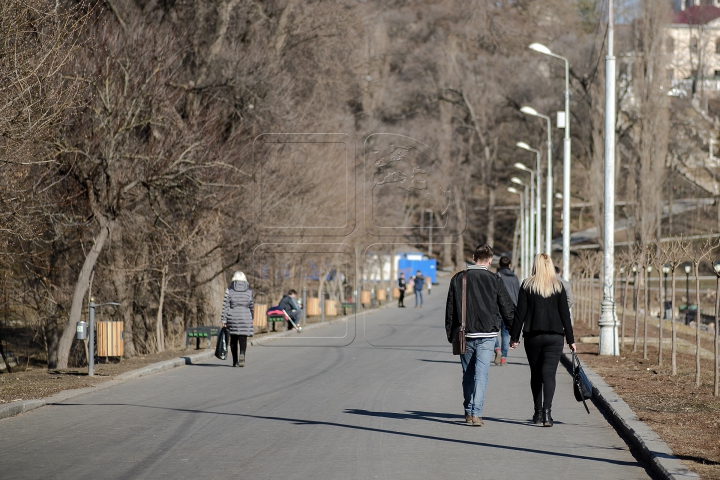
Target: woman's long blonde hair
[{"x": 543, "y": 280}]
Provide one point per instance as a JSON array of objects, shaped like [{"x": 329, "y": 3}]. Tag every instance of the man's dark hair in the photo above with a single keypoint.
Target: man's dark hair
[
  {"x": 292, "y": 292},
  {"x": 483, "y": 253},
  {"x": 557, "y": 270},
  {"x": 504, "y": 261}
]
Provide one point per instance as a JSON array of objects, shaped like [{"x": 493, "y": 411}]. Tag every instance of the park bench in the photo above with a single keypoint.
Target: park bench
[
  {"x": 348, "y": 306},
  {"x": 200, "y": 332},
  {"x": 274, "y": 318}
]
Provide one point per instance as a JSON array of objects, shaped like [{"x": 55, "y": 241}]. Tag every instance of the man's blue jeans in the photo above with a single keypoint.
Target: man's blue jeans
[
  {"x": 505, "y": 337},
  {"x": 476, "y": 363},
  {"x": 418, "y": 294}
]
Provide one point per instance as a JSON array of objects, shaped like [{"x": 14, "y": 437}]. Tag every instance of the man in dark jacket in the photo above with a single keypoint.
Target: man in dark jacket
[
  {"x": 488, "y": 304},
  {"x": 289, "y": 304},
  {"x": 402, "y": 285},
  {"x": 512, "y": 285}
]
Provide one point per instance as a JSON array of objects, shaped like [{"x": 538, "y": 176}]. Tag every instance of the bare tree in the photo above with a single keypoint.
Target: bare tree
[
  {"x": 697, "y": 254},
  {"x": 674, "y": 253}
]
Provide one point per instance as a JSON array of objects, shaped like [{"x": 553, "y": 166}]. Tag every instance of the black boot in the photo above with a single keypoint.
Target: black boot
[
  {"x": 547, "y": 418},
  {"x": 537, "y": 416}
]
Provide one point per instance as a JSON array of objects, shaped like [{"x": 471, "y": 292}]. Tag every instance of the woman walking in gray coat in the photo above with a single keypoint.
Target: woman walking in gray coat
[{"x": 237, "y": 316}]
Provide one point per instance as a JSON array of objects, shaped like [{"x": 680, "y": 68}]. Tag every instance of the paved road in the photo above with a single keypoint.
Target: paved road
[{"x": 388, "y": 405}]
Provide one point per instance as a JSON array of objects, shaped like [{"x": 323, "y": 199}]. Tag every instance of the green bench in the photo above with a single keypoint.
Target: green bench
[{"x": 198, "y": 333}]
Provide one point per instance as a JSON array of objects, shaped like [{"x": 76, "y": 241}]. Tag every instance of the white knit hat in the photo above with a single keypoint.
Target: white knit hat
[{"x": 239, "y": 277}]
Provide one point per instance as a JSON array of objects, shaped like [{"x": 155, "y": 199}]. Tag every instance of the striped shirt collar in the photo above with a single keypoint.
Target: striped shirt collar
[{"x": 477, "y": 267}]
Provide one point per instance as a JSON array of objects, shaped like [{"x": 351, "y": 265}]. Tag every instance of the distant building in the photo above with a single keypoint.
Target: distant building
[{"x": 692, "y": 43}]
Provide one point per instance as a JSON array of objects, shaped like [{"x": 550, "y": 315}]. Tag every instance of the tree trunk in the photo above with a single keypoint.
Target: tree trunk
[
  {"x": 698, "y": 320},
  {"x": 447, "y": 261},
  {"x": 159, "y": 331},
  {"x": 81, "y": 288},
  {"x": 716, "y": 383},
  {"x": 460, "y": 248},
  {"x": 646, "y": 278},
  {"x": 662, "y": 317},
  {"x": 124, "y": 291},
  {"x": 622, "y": 319},
  {"x": 637, "y": 320},
  {"x": 491, "y": 217},
  {"x": 673, "y": 354}
]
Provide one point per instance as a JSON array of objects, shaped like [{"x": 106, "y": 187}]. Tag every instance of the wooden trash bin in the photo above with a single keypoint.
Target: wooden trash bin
[
  {"x": 110, "y": 339},
  {"x": 331, "y": 308},
  {"x": 395, "y": 292},
  {"x": 365, "y": 298},
  {"x": 259, "y": 316},
  {"x": 381, "y": 295},
  {"x": 313, "y": 307}
]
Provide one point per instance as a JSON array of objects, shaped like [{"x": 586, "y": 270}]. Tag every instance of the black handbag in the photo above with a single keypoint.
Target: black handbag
[
  {"x": 458, "y": 334},
  {"x": 222, "y": 344},
  {"x": 582, "y": 388}
]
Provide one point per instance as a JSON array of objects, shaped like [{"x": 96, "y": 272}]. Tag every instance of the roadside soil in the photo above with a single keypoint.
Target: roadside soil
[
  {"x": 686, "y": 417},
  {"x": 37, "y": 382}
]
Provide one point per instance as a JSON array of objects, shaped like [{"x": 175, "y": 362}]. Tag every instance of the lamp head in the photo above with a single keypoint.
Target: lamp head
[
  {"x": 521, "y": 166},
  {"x": 517, "y": 181},
  {"x": 622, "y": 269},
  {"x": 529, "y": 110},
  {"x": 559, "y": 195},
  {"x": 687, "y": 268},
  {"x": 513, "y": 190},
  {"x": 666, "y": 269},
  {"x": 634, "y": 268},
  {"x": 716, "y": 267},
  {"x": 540, "y": 48},
  {"x": 649, "y": 269},
  {"x": 523, "y": 145}
]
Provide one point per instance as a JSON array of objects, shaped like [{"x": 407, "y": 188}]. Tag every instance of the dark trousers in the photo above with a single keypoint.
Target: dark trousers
[
  {"x": 234, "y": 340},
  {"x": 401, "y": 299},
  {"x": 543, "y": 352}
]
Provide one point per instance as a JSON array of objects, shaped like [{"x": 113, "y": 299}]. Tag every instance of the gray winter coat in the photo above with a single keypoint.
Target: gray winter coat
[
  {"x": 512, "y": 284},
  {"x": 238, "y": 309}
]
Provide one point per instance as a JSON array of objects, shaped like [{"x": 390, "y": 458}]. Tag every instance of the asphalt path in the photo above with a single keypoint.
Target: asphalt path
[{"x": 378, "y": 396}]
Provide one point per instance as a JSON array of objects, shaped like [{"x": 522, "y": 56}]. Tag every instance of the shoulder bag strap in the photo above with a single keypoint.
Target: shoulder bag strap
[{"x": 464, "y": 294}]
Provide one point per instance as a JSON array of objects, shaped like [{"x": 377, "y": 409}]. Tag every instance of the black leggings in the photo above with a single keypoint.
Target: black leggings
[
  {"x": 234, "y": 339},
  {"x": 543, "y": 352}
]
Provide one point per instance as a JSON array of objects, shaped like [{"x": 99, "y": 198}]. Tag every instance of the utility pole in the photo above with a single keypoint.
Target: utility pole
[{"x": 608, "y": 318}]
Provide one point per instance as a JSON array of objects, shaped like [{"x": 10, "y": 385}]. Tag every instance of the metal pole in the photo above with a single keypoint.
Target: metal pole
[
  {"x": 528, "y": 215},
  {"x": 304, "y": 309},
  {"x": 608, "y": 318},
  {"x": 523, "y": 237},
  {"x": 91, "y": 341},
  {"x": 549, "y": 191},
  {"x": 531, "y": 215},
  {"x": 687, "y": 296},
  {"x": 538, "y": 206},
  {"x": 566, "y": 179},
  {"x": 430, "y": 228}
]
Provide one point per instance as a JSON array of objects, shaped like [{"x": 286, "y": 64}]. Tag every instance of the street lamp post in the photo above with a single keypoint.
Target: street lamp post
[
  {"x": 566, "y": 160},
  {"x": 608, "y": 318},
  {"x": 523, "y": 261},
  {"x": 528, "y": 240},
  {"x": 538, "y": 192},
  {"x": 687, "y": 291},
  {"x": 531, "y": 213},
  {"x": 549, "y": 181}
]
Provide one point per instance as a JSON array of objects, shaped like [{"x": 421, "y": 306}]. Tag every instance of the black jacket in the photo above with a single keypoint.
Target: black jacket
[
  {"x": 536, "y": 314},
  {"x": 288, "y": 304},
  {"x": 488, "y": 303}
]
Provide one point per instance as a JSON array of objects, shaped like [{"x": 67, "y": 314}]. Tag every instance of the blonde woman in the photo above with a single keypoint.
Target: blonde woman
[{"x": 543, "y": 316}]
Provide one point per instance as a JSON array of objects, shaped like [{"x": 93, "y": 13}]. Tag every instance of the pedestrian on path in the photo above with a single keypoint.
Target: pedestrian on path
[
  {"x": 418, "y": 284},
  {"x": 543, "y": 316},
  {"x": 402, "y": 284},
  {"x": 512, "y": 284},
  {"x": 487, "y": 305},
  {"x": 237, "y": 316}
]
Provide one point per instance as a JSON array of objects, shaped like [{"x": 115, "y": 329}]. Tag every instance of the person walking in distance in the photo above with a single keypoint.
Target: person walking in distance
[
  {"x": 402, "y": 284},
  {"x": 487, "y": 305},
  {"x": 512, "y": 284},
  {"x": 418, "y": 284},
  {"x": 543, "y": 317},
  {"x": 237, "y": 316}
]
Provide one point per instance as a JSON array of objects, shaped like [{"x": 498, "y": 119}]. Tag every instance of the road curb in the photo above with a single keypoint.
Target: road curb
[
  {"x": 654, "y": 450},
  {"x": 21, "y": 406}
]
